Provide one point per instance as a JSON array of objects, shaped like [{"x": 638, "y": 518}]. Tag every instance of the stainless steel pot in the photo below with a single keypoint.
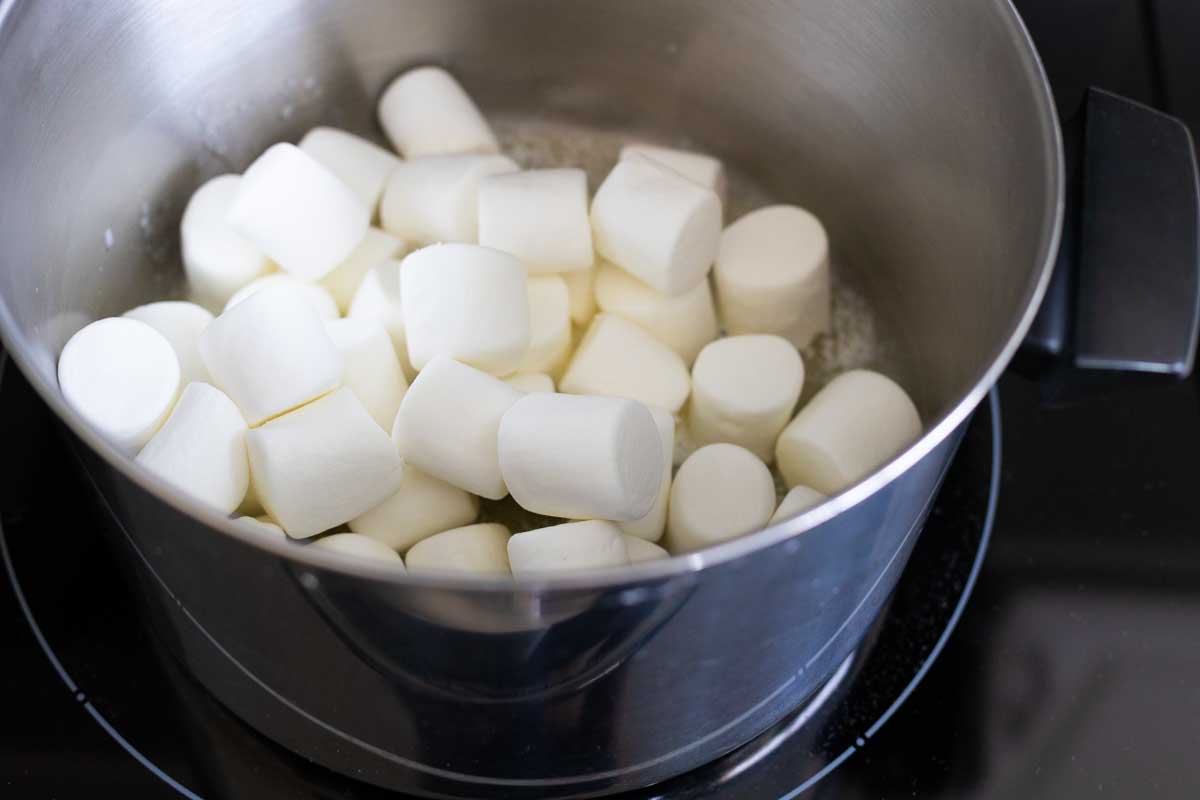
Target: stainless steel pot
[{"x": 923, "y": 134}]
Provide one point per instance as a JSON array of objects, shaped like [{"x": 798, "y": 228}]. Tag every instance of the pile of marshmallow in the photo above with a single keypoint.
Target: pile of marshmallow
[{"x": 382, "y": 379}]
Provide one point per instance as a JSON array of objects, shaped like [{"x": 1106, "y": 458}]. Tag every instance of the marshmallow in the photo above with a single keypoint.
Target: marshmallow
[
  {"x": 684, "y": 322},
  {"x": 426, "y": 112},
  {"x": 371, "y": 368},
  {"x": 772, "y": 275},
  {"x": 468, "y": 303},
  {"x": 261, "y": 525},
  {"x": 657, "y": 225},
  {"x": 696, "y": 167},
  {"x": 722, "y": 491},
  {"x": 579, "y": 291},
  {"x": 378, "y": 300},
  {"x": 798, "y": 499},
  {"x": 620, "y": 359},
  {"x": 216, "y": 258},
  {"x": 478, "y": 549},
  {"x": 270, "y": 353},
  {"x": 361, "y": 165},
  {"x": 531, "y": 382},
  {"x": 312, "y": 294},
  {"x": 581, "y": 457},
  {"x": 448, "y": 425},
  {"x": 375, "y": 248},
  {"x": 593, "y": 544},
  {"x": 540, "y": 216},
  {"x": 549, "y": 325},
  {"x": 351, "y": 544},
  {"x": 853, "y": 425},
  {"x": 744, "y": 389},
  {"x": 181, "y": 324},
  {"x": 122, "y": 377},
  {"x": 294, "y": 210},
  {"x": 421, "y": 507},
  {"x": 201, "y": 448},
  {"x": 650, "y": 527},
  {"x": 321, "y": 465},
  {"x": 435, "y": 199},
  {"x": 641, "y": 550}
]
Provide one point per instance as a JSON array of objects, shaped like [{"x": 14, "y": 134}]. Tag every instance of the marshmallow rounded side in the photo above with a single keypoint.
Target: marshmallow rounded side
[
  {"x": 263, "y": 526},
  {"x": 641, "y": 550},
  {"x": 651, "y": 526},
  {"x": 426, "y": 112},
  {"x": 580, "y": 293},
  {"x": 617, "y": 358},
  {"x": 721, "y": 492},
  {"x": 798, "y": 499},
  {"x": 531, "y": 382},
  {"x": 593, "y": 544},
  {"x": 421, "y": 507},
  {"x": 181, "y": 323},
  {"x": 351, "y": 544},
  {"x": 312, "y": 294},
  {"x": 478, "y": 549},
  {"x": 684, "y": 322},
  {"x": 435, "y": 199},
  {"x": 371, "y": 369},
  {"x": 376, "y": 247},
  {"x": 216, "y": 258},
  {"x": 361, "y": 165},
  {"x": 549, "y": 325},
  {"x": 378, "y": 300},
  {"x": 540, "y": 216}
]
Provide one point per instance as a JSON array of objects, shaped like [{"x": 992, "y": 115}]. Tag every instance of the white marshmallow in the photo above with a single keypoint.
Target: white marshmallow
[
  {"x": 684, "y": 322},
  {"x": 421, "y": 507},
  {"x": 378, "y": 300},
  {"x": 181, "y": 324},
  {"x": 620, "y": 359},
  {"x": 798, "y": 499},
  {"x": 435, "y": 199},
  {"x": 448, "y": 425},
  {"x": 657, "y": 225},
  {"x": 294, "y": 210},
  {"x": 323, "y": 464},
  {"x": 772, "y": 275},
  {"x": 549, "y": 325},
  {"x": 593, "y": 544},
  {"x": 721, "y": 491},
  {"x": 477, "y": 549},
  {"x": 853, "y": 425},
  {"x": 216, "y": 258},
  {"x": 696, "y": 167},
  {"x": 270, "y": 353},
  {"x": 351, "y": 544},
  {"x": 375, "y": 248},
  {"x": 531, "y": 382},
  {"x": 201, "y": 448},
  {"x": 312, "y": 294},
  {"x": 122, "y": 377},
  {"x": 581, "y": 457},
  {"x": 650, "y": 527},
  {"x": 641, "y": 550},
  {"x": 540, "y": 216},
  {"x": 744, "y": 389},
  {"x": 261, "y": 525},
  {"x": 579, "y": 290},
  {"x": 363, "y": 166},
  {"x": 468, "y": 303},
  {"x": 371, "y": 368},
  {"x": 426, "y": 112}
]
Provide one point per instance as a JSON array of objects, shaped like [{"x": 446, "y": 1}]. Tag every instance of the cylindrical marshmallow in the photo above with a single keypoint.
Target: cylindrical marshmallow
[
  {"x": 323, "y": 464},
  {"x": 579, "y": 457},
  {"x": 270, "y": 353},
  {"x": 540, "y": 216},
  {"x": 651, "y": 526},
  {"x": 549, "y": 325},
  {"x": 376, "y": 247},
  {"x": 684, "y": 322},
  {"x": 351, "y": 544},
  {"x": 657, "y": 225},
  {"x": 582, "y": 297},
  {"x": 261, "y": 525},
  {"x": 378, "y": 300},
  {"x": 617, "y": 358},
  {"x": 435, "y": 199},
  {"x": 531, "y": 382},
  {"x": 721, "y": 491},
  {"x": 300, "y": 215},
  {"x": 696, "y": 167},
  {"x": 421, "y": 507},
  {"x": 312, "y": 294},
  {"x": 478, "y": 549},
  {"x": 744, "y": 389},
  {"x": 449, "y": 422},
  {"x": 181, "y": 324},
  {"x": 363, "y": 166},
  {"x": 593, "y": 544},
  {"x": 772, "y": 275},
  {"x": 427, "y": 112},
  {"x": 122, "y": 377},
  {"x": 853, "y": 425},
  {"x": 798, "y": 499},
  {"x": 371, "y": 368},
  {"x": 201, "y": 448},
  {"x": 641, "y": 550},
  {"x": 216, "y": 258},
  {"x": 465, "y": 302}
]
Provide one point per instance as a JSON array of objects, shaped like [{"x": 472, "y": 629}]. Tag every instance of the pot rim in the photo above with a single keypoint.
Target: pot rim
[{"x": 674, "y": 567}]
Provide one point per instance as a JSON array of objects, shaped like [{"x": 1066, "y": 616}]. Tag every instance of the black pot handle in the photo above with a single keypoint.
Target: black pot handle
[{"x": 1125, "y": 294}]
